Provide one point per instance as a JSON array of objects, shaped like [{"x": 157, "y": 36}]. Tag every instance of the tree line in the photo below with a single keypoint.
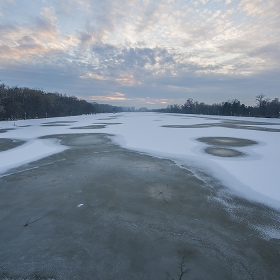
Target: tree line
[
  {"x": 264, "y": 108},
  {"x": 25, "y": 103}
]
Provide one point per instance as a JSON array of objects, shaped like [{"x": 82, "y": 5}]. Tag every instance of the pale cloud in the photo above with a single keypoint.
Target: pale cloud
[
  {"x": 155, "y": 101},
  {"x": 92, "y": 75},
  {"x": 145, "y": 101},
  {"x": 127, "y": 79},
  {"x": 38, "y": 37},
  {"x": 128, "y": 44},
  {"x": 113, "y": 96},
  {"x": 183, "y": 32},
  {"x": 261, "y": 10},
  {"x": 22, "y": 43},
  {"x": 49, "y": 13},
  {"x": 251, "y": 7},
  {"x": 216, "y": 14}
]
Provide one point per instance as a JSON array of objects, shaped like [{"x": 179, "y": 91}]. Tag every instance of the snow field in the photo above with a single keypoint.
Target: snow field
[{"x": 254, "y": 176}]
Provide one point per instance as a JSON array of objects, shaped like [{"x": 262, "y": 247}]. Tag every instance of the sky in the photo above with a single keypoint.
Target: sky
[{"x": 143, "y": 53}]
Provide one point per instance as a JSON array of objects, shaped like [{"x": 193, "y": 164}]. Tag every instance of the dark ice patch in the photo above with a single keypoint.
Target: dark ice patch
[
  {"x": 7, "y": 144},
  {"x": 90, "y": 127},
  {"x": 52, "y": 125},
  {"x": 229, "y": 124},
  {"x": 60, "y": 122},
  {"x": 227, "y": 141},
  {"x": 5, "y": 130},
  {"x": 223, "y": 152}
]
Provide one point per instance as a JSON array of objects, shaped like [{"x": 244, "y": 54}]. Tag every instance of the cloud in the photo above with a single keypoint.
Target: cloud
[
  {"x": 150, "y": 50},
  {"x": 44, "y": 28},
  {"x": 28, "y": 42},
  {"x": 269, "y": 53},
  {"x": 85, "y": 37},
  {"x": 151, "y": 13},
  {"x": 128, "y": 65},
  {"x": 113, "y": 96},
  {"x": 6, "y": 29},
  {"x": 49, "y": 13},
  {"x": 187, "y": 38}
]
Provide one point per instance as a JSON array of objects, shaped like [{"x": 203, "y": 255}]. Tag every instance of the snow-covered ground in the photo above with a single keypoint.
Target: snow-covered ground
[{"x": 255, "y": 176}]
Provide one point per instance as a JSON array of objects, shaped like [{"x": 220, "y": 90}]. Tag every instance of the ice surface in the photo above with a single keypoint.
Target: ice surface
[
  {"x": 255, "y": 175},
  {"x": 33, "y": 150}
]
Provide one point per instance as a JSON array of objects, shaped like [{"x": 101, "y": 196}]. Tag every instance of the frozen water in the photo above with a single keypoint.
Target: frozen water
[{"x": 172, "y": 136}]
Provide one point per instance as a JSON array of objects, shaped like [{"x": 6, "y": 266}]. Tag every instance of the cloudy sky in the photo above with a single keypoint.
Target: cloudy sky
[{"x": 143, "y": 53}]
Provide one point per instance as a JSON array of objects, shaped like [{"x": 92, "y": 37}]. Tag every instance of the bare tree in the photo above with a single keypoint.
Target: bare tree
[{"x": 260, "y": 99}]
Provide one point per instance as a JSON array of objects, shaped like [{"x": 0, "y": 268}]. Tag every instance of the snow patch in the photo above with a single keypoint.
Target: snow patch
[{"x": 254, "y": 176}]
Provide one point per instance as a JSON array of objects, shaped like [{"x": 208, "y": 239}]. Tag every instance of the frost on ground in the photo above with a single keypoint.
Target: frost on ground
[{"x": 253, "y": 172}]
